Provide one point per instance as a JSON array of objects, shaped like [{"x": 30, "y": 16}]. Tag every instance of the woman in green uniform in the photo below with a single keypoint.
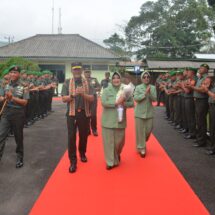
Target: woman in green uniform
[
  {"x": 144, "y": 95},
  {"x": 113, "y": 128}
]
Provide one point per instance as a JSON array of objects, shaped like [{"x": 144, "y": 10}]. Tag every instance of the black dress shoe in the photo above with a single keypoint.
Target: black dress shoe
[
  {"x": 195, "y": 141},
  {"x": 210, "y": 152},
  {"x": 95, "y": 133},
  {"x": 109, "y": 167},
  {"x": 199, "y": 145},
  {"x": 174, "y": 124},
  {"x": 19, "y": 163},
  {"x": 184, "y": 131},
  {"x": 177, "y": 127},
  {"x": 72, "y": 168},
  {"x": 83, "y": 158},
  {"x": 187, "y": 137}
]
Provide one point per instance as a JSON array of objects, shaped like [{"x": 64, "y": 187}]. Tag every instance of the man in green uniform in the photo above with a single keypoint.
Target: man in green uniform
[
  {"x": 106, "y": 81},
  {"x": 14, "y": 115},
  {"x": 170, "y": 91},
  {"x": 144, "y": 95},
  {"x": 160, "y": 91},
  {"x": 5, "y": 79},
  {"x": 201, "y": 106},
  {"x": 189, "y": 103},
  {"x": 93, "y": 82},
  {"x": 178, "y": 100},
  {"x": 78, "y": 95},
  {"x": 209, "y": 88},
  {"x": 163, "y": 87}
]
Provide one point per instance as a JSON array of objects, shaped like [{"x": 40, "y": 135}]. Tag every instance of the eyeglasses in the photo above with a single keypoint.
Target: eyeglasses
[{"x": 144, "y": 77}]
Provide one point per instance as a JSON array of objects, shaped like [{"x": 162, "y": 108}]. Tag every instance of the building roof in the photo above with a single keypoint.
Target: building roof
[
  {"x": 171, "y": 64},
  {"x": 56, "y": 46},
  {"x": 205, "y": 56}
]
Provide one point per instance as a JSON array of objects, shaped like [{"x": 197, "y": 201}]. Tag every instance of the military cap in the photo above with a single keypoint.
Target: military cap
[
  {"x": 5, "y": 72},
  {"x": 14, "y": 68},
  {"x": 76, "y": 65},
  {"x": 205, "y": 65},
  {"x": 87, "y": 69},
  {"x": 195, "y": 70}
]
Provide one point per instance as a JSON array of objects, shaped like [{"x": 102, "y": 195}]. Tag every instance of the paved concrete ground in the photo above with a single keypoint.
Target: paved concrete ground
[{"x": 46, "y": 142}]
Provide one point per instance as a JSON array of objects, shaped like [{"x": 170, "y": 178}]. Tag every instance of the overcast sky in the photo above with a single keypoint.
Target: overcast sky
[{"x": 93, "y": 19}]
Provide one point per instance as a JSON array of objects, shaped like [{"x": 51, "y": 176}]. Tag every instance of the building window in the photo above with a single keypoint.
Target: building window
[
  {"x": 100, "y": 67},
  {"x": 57, "y": 70}
]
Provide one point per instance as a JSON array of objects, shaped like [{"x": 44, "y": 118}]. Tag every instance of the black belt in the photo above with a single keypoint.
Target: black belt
[
  {"x": 188, "y": 97},
  {"x": 200, "y": 98}
]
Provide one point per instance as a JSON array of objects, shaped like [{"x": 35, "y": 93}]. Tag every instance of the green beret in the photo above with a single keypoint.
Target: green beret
[
  {"x": 180, "y": 72},
  {"x": 29, "y": 72},
  {"x": 14, "y": 68},
  {"x": 47, "y": 72},
  {"x": 23, "y": 72},
  {"x": 195, "y": 70},
  {"x": 172, "y": 73},
  {"x": 205, "y": 65},
  {"x": 5, "y": 72}
]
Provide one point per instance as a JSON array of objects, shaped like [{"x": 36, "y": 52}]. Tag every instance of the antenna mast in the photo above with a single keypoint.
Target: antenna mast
[
  {"x": 59, "y": 26},
  {"x": 53, "y": 17}
]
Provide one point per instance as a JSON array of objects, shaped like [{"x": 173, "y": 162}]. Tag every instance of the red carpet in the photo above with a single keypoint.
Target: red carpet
[
  {"x": 138, "y": 186},
  {"x": 56, "y": 99}
]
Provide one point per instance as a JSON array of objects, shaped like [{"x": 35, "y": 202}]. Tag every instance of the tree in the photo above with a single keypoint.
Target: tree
[
  {"x": 170, "y": 28},
  {"x": 116, "y": 44},
  {"x": 25, "y": 64}
]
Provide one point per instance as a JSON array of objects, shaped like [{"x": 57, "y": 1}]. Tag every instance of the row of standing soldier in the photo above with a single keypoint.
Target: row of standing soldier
[{"x": 189, "y": 95}]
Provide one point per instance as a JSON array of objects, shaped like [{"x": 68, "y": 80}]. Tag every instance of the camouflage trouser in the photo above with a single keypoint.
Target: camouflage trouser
[{"x": 12, "y": 118}]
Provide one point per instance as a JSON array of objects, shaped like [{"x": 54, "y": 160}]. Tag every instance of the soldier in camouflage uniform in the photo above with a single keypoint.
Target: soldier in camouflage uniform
[{"x": 13, "y": 115}]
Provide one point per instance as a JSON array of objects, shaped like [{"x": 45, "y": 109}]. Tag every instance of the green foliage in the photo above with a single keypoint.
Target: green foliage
[
  {"x": 176, "y": 28},
  {"x": 116, "y": 44},
  {"x": 25, "y": 64}
]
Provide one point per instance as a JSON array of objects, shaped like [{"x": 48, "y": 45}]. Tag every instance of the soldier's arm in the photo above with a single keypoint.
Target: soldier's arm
[
  {"x": 98, "y": 86},
  {"x": 2, "y": 98},
  {"x": 22, "y": 102},
  {"x": 65, "y": 93},
  {"x": 197, "y": 89},
  {"x": 89, "y": 97},
  {"x": 211, "y": 94}
]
